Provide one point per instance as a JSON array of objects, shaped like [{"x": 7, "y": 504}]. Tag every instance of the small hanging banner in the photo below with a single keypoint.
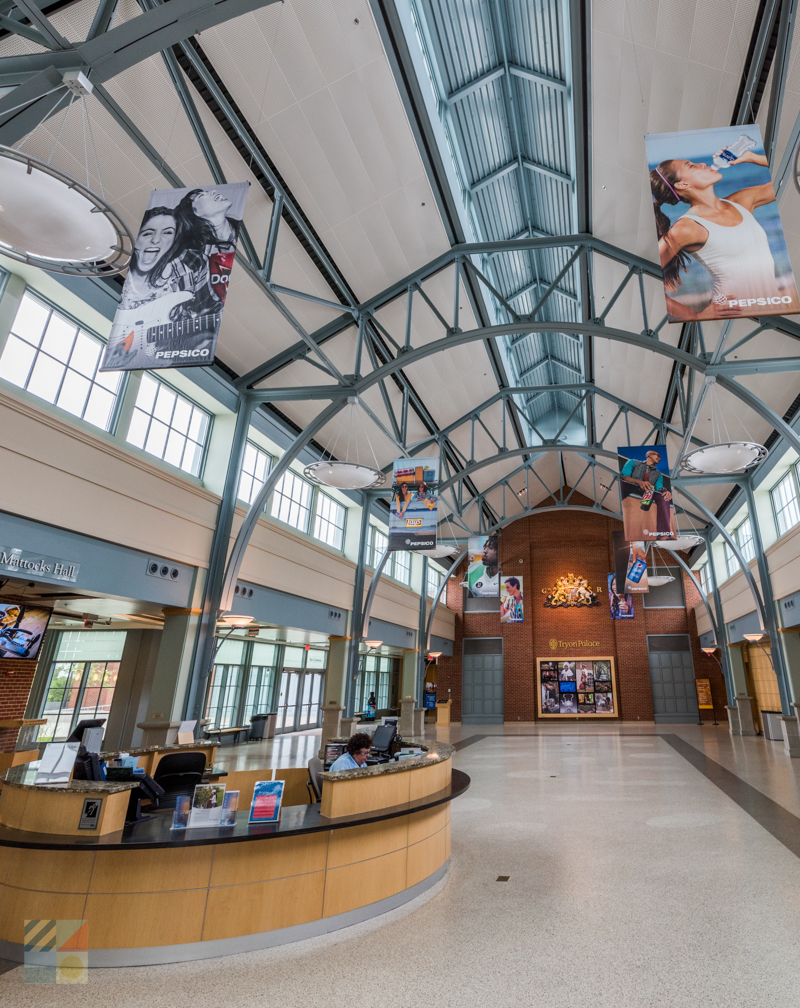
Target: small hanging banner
[
  {"x": 648, "y": 514},
  {"x": 171, "y": 306},
  {"x": 414, "y": 512}
]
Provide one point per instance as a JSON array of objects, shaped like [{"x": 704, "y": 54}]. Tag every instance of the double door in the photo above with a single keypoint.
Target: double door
[{"x": 299, "y": 695}]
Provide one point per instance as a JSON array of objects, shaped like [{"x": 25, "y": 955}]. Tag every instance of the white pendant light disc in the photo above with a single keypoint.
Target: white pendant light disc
[
  {"x": 43, "y": 216},
  {"x": 729, "y": 457},
  {"x": 656, "y": 580},
  {"x": 681, "y": 543},
  {"x": 344, "y": 475},
  {"x": 438, "y": 552}
]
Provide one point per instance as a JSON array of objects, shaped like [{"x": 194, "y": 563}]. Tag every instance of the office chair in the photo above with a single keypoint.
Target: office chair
[
  {"x": 179, "y": 774},
  {"x": 314, "y": 784}
]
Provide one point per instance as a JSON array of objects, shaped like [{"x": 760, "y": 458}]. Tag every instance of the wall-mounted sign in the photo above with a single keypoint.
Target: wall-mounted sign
[
  {"x": 512, "y": 607},
  {"x": 570, "y": 592},
  {"x": 90, "y": 813},
  {"x": 583, "y": 687},
  {"x": 18, "y": 561},
  {"x": 556, "y": 644}
]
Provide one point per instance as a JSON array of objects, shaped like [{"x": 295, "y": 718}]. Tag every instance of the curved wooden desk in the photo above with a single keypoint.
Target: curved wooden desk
[{"x": 154, "y": 895}]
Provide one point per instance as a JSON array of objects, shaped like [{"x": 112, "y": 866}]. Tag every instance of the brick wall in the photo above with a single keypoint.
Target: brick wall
[
  {"x": 16, "y": 678},
  {"x": 542, "y": 548}
]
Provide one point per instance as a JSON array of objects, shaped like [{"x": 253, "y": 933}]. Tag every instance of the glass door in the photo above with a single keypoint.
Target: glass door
[
  {"x": 287, "y": 701},
  {"x": 309, "y": 707}
]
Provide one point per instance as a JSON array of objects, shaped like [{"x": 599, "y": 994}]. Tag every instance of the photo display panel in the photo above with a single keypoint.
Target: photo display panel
[{"x": 577, "y": 687}]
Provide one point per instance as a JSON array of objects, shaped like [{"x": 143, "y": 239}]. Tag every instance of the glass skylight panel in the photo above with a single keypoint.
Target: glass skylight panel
[
  {"x": 51, "y": 357},
  {"x": 169, "y": 426}
]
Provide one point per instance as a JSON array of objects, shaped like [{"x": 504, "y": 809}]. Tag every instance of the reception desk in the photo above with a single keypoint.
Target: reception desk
[{"x": 150, "y": 894}]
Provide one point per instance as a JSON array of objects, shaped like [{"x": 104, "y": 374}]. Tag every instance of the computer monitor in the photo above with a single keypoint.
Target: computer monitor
[
  {"x": 77, "y": 735},
  {"x": 333, "y": 750},
  {"x": 383, "y": 737}
]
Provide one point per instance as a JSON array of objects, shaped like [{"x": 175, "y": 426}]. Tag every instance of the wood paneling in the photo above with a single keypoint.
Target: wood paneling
[
  {"x": 263, "y": 906},
  {"x": 59, "y": 811},
  {"x": 365, "y": 882},
  {"x": 371, "y": 840},
  {"x": 47, "y": 870},
  {"x": 160, "y": 870},
  {"x": 12, "y": 805},
  {"x": 137, "y": 920},
  {"x": 424, "y": 824},
  {"x": 239, "y": 863},
  {"x": 18, "y": 905},
  {"x": 426, "y": 856},
  {"x": 364, "y": 794},
  {"x": 428, "y": 780},
  {"x": 243, "y": 781}
]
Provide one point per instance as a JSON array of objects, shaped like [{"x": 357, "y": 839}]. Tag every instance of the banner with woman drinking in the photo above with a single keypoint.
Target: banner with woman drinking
[
  {"x": 172, "y": 300},
  {"x": 720, "y": 239}
]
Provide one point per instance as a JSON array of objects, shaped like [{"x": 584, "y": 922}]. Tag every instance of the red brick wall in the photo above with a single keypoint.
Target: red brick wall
[
  {"x": 542, "y": 548},
  {"x": 16, "y": 678}
]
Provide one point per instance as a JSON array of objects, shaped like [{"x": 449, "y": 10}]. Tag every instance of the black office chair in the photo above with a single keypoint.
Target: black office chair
[
  {"x": 179, "y": 774},
  {"x": 314, "y": 784}
]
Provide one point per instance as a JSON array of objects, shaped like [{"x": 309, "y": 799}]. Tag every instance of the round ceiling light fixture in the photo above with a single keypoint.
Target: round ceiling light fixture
[
  {"x": 726, "y": 457},
  {"x": 439, "y": 551},
  {"x": 683, "y": 542},
  {"x": 754, "y": 638},
  {"x": 345, "y": 475},
  {"x": 236, "y": 621},
  {"x": 708, "y": 650},
  {"x": 50, "y": 220},
  {"x": 373, "y": 644},
  {"x": 656, "y": 580}
]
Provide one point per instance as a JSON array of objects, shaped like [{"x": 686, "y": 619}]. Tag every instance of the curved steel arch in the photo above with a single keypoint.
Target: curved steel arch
[{"x": 530, "y": 450}]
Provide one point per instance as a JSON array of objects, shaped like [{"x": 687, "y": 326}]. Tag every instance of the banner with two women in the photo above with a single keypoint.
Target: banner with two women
[
  {"x": 172, "y": 300},
  {"x": 720, "y": 239},
  {"x": 414, "y": 509}
]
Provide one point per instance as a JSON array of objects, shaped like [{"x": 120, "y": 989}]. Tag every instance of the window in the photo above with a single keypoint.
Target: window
[
  {"x": 291, "y": 502},
  {"x": 376, "y": 675},
  {"x": 83, "y": 677},
  {"x": 224, "y": 687},
  {"x": 55, "y": 359},
  {"x": 785, "y": 502},
  {"x": 169, "y": 426},
  {"x": 744, "y": 540},
  {"x": 329, "y": 521},
  {"x": 731, "y": 563},
  {"x": 434, "y": 580},
  {"x": 376, "y": 547},
  {"x": 401, "y": 566},
  {"x": 702, "y": 576},
  {"x": 255, "y": 468}
]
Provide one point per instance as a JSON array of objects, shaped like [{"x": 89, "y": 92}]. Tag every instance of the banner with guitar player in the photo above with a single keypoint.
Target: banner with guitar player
[{"x": 174, "y": 293}]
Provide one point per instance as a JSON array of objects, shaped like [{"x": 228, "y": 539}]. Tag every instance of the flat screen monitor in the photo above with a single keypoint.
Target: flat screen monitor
[
  {"x": 22, "y": 629},
  {"x": 333, "y": 750},
  {"x": 383, "y": 737},
  {"x": 81, "y": 726}
]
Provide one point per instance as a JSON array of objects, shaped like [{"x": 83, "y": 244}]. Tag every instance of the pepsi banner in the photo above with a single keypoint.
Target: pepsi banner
[
  {"x": 720, "y": 238},
  {"x": 414, "y": 509},
  {"x": 172, "y": 300}
]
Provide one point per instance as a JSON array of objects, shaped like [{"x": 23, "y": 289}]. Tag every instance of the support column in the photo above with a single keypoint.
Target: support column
[
  {"x": 331, "y": 725},
  {"x": 738, "y": 673},
  {"x": 408, "y": 674},
  {"x": 746, "y": 723},
  {"x": 422, "y": 642},
  {"x": 791, "y": 732},
  {"x": 722, "y": 643},
  {"x": 790, "y": 641},
  {"x": 173, "y": 665},
  {"x": 336, "y": 671},
  {"x": 356, "y": 628},
  {"x": 734, "y": 725}
]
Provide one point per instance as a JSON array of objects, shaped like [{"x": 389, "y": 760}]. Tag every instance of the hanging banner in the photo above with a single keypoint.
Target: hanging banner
[
  {"x": 720, "y": 237},
  {"x": 414, "y": 510},
  {"x": 630, "y": 563},
  {"x": 621, "y": 605},
  {"x": 648, "y": 513},
  {"x": 483, "y": 575},
  {"x": 512, "y": 607},
  {"x": 172, "y": 300}
]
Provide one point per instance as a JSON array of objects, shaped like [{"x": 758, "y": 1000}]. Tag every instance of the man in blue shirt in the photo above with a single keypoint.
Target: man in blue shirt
[{"x": 355, "y": 757}]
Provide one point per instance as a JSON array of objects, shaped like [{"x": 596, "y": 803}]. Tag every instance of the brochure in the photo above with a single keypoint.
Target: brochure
[
  {"x": 180, "y": 819},
  {"x": 55, "y": 766},
  {"x": 206, "y": 807},
  {"x": 230, "y": 806},
  {"x": 266, "y": 804}
]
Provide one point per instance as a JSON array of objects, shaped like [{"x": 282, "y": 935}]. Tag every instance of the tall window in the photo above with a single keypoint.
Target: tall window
[
  {"x": 785, "y": 502},
  {"x": 225, "y": 685},
  {"x": 401, "y": 566},
  {"x": 434, "y": 580},
  {"x": 169, "y": 426},
  {"x": 731, "y": 563},
  {"x": 83, "y": 677},
  {"x": 378, "y": 541},
  {"x": 255, "y": 468},
  {"x": 703, "y": 577},
  {"x": 744, "y": 540},
  {"x": 291, "y": 502},
  {"x": 329, "y": 521},
  {"x": 55, "y": 359}
]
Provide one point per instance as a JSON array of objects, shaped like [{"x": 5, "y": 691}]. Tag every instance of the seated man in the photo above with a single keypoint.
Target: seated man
[{"x": 356, "y": 755}]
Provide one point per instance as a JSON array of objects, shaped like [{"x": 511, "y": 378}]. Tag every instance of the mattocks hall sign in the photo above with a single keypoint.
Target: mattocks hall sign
[{"x": 17, "y": 561}]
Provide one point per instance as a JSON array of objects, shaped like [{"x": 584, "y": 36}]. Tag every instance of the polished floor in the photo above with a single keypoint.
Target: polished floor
[{"x": 647, "y": 868}]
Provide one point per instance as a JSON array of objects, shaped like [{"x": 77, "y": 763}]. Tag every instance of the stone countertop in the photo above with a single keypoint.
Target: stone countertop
[
  {"x": 114, "y": 753},
  {"x": 435, "y": 752},
  {"x": 15, "y": 777}
]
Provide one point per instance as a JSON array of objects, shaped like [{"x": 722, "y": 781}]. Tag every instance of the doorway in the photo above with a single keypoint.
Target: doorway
[
  {"x": 482, "y": 680},
  {"x": 672, "y": 679},
  {"x": 299, "y": 694}
]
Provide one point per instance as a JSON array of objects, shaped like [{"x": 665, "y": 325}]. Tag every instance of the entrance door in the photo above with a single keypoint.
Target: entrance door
[
  {"x": 287, "y": 702},
  {"x": 482, "y": 681},
  {"x": 309, "y": 705},
  {"x": 672, "y": 679}
]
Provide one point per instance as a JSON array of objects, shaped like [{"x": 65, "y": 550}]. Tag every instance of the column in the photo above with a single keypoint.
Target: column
[
  {"x": 164, "y": 705},
  {"x": 336, "y": 671},
  {"x": 132, "y": 692}
]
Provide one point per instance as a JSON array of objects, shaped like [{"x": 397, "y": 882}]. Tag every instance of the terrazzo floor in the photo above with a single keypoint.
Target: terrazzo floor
[{"x": 634, "y": 880}]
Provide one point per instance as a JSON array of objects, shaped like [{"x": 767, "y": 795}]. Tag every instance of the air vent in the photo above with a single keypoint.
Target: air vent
[
  {"x": 160, "y": 569},
  {"x": 335, "y": 614},
  {"x": 243, "y": 591}
]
